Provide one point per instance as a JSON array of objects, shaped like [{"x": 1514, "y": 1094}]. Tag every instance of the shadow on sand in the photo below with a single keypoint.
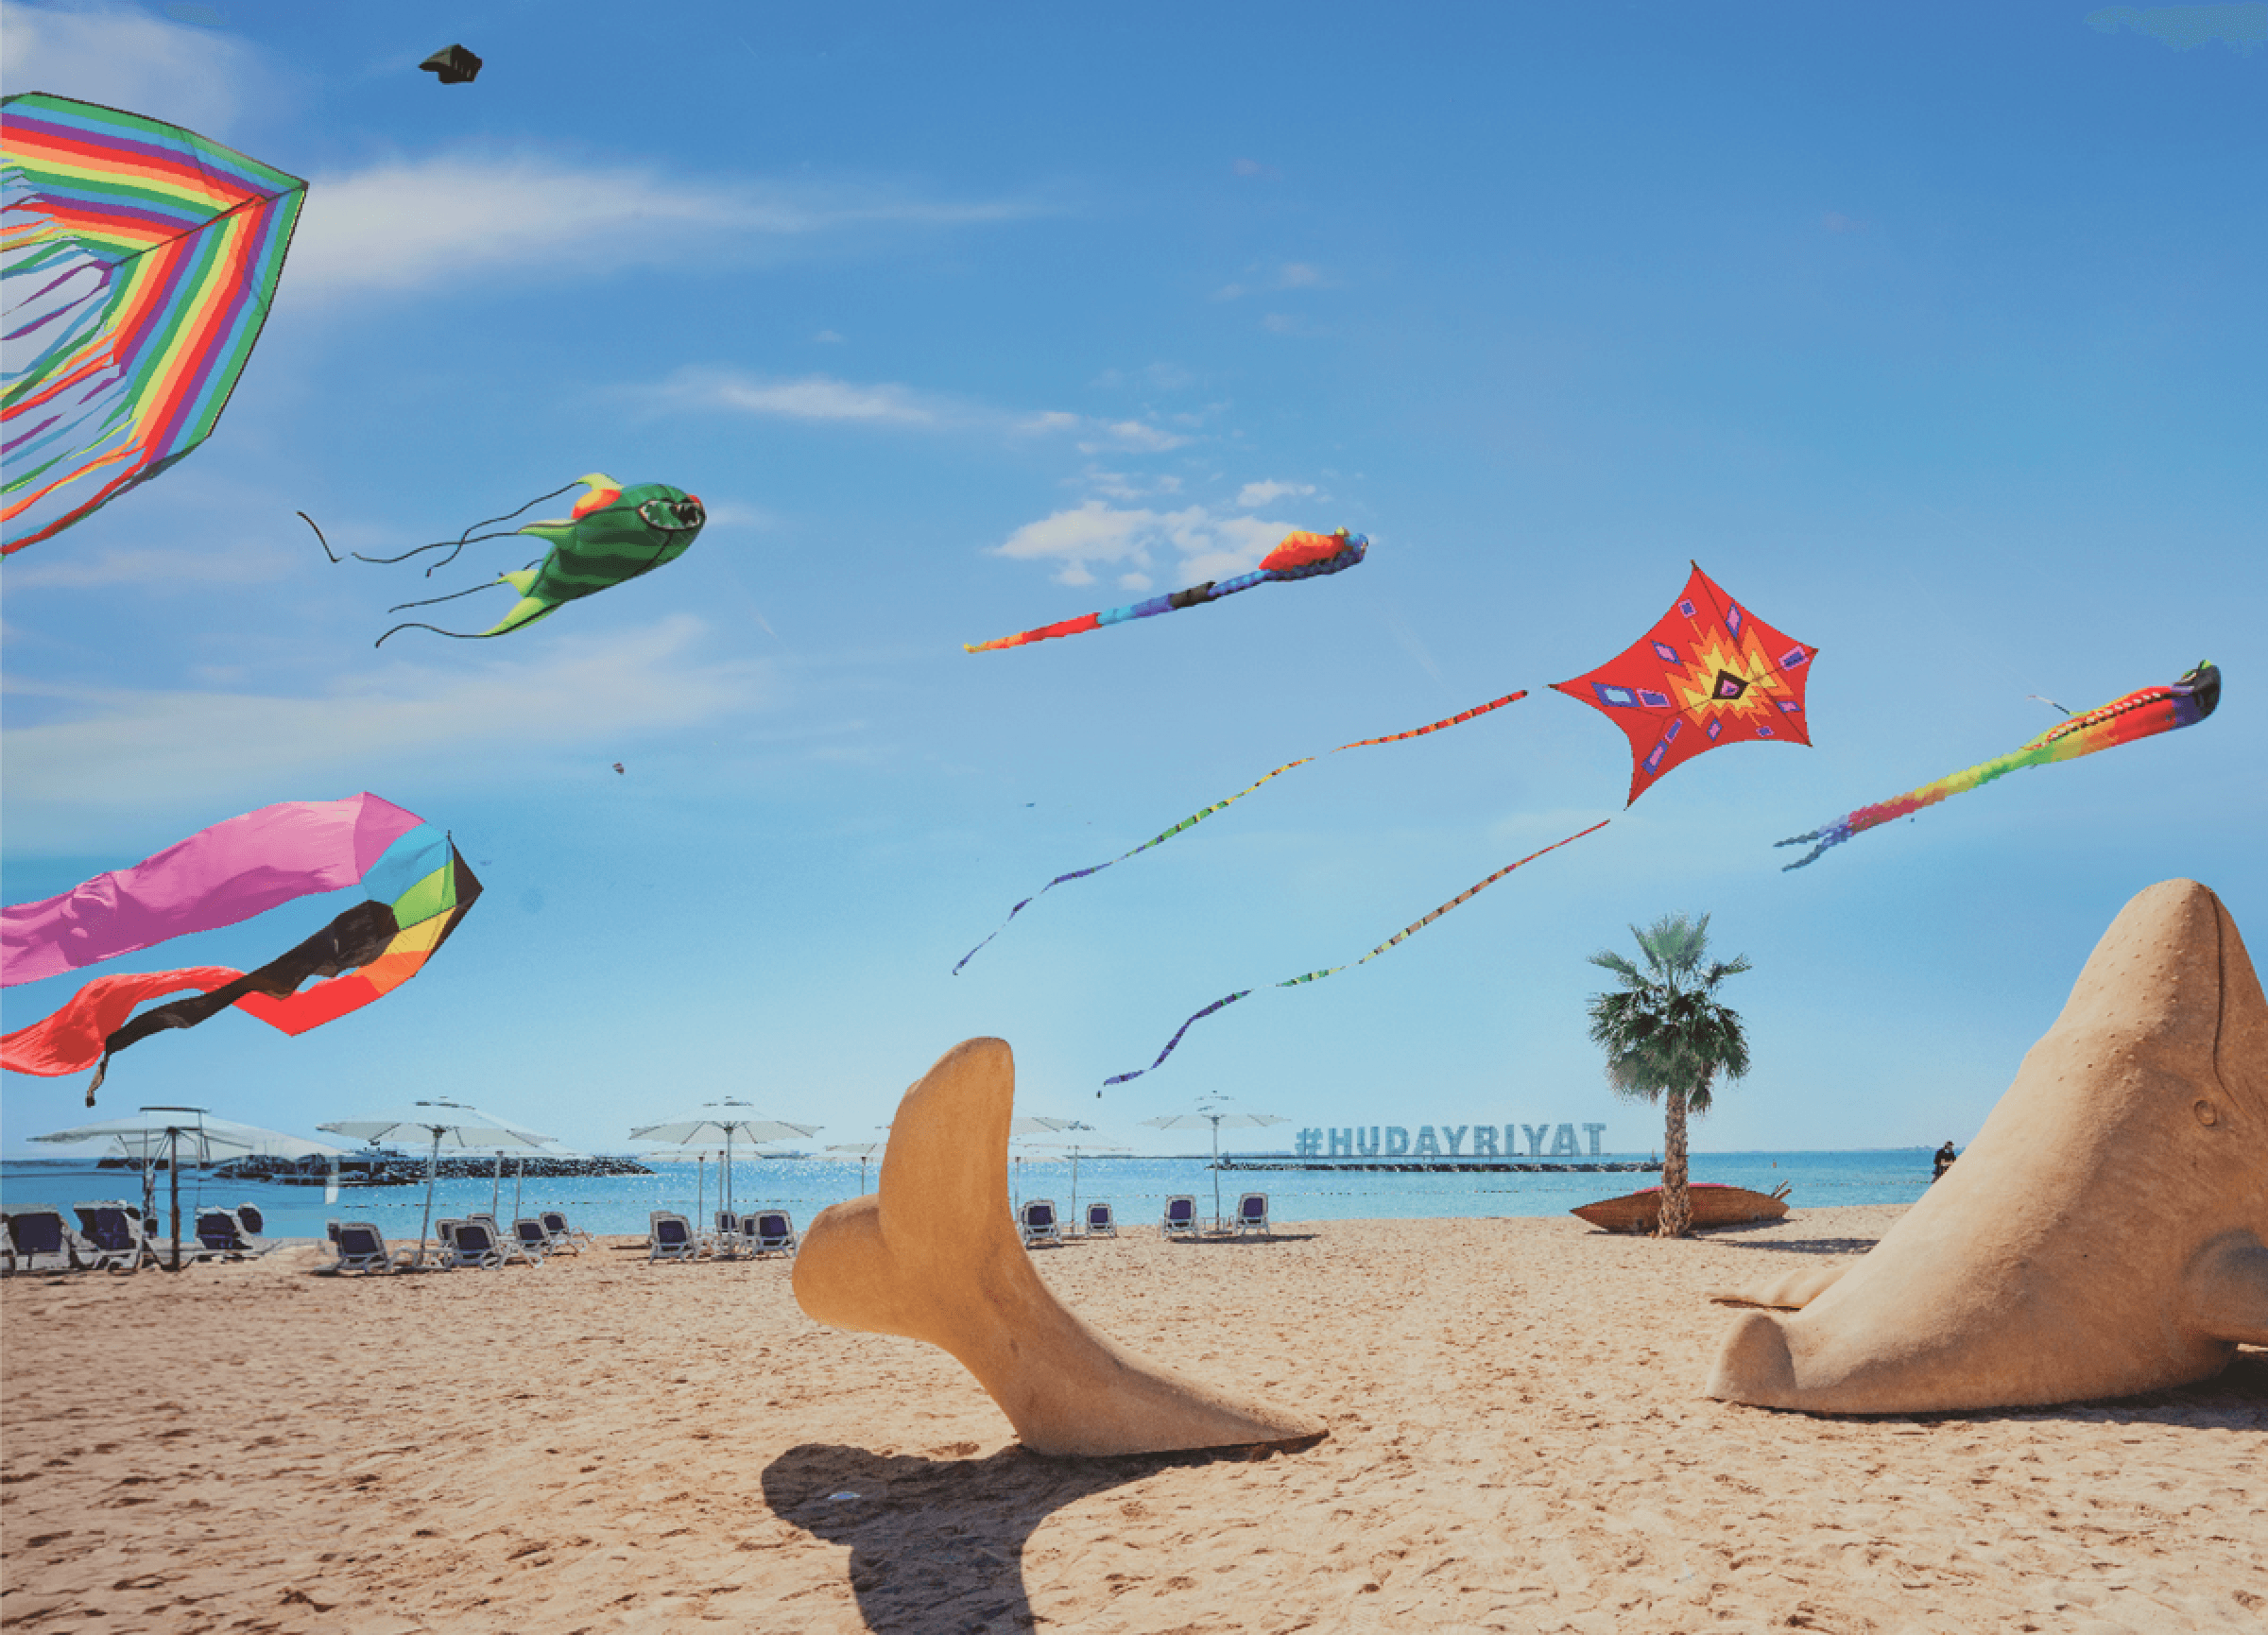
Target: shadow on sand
[{"x": 937, "y": 1544}]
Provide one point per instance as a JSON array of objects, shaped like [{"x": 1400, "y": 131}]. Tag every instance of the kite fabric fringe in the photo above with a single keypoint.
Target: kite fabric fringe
[
  {"x": 2141, "y": 713},
  {"x": 1403, "y": 934},
  {"x": 1195, "y": 818}
]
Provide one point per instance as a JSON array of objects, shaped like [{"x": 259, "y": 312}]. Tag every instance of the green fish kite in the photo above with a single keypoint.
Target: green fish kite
[{"x": 613, "y": 534}]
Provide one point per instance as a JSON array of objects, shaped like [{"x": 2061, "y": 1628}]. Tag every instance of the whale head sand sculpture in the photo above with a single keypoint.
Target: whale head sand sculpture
[
  {"x": 934, "y": 1254},
  {"x": 2103, "y": 1236}
]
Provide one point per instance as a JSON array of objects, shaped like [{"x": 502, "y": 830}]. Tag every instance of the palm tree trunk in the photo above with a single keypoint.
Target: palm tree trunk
[{"x": 1676, "y": 1203}]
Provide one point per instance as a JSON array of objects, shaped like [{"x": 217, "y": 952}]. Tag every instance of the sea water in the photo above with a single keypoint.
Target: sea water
[{"x": 1135, "y": 1188}]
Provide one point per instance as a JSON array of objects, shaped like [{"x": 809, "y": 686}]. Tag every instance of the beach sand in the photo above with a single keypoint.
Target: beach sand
[{"x": 1518, "y": 1441}]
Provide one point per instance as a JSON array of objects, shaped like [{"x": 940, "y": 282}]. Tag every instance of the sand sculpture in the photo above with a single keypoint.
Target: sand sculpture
[
  {"x": 935, "y": 1254},
  {"x": 2103, "y": 1236}
]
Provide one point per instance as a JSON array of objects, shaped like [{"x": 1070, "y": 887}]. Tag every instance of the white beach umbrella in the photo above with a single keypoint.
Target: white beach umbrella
[
  {"x": 865, "y": 1152},
  {"x": 1212, "y": 1113},
  {"x": 720, "y": 1121},
  {"x": 450, "y": 1123},
  {"x": 187, "y": 1132}
]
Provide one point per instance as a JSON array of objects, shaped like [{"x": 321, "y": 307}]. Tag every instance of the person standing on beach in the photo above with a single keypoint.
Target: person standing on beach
[{"x": 1945, "y": 1161}]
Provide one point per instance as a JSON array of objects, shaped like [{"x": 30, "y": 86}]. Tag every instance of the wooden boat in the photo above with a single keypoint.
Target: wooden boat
[{"x": 1714, "y": 1206}]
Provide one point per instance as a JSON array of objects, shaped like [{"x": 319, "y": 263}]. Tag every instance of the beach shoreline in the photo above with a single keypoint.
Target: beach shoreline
[{"x": 1518, "y": 1441}]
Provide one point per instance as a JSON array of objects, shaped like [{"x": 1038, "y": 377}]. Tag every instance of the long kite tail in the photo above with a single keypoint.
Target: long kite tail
[
  {"x": 1197, "y": 818},
  {"x": 1404, "y": 934},
  {"x": 467, "y": 538}
]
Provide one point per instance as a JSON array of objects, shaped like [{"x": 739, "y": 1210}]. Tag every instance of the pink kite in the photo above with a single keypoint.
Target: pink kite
[{"x": 218, "y": 876}]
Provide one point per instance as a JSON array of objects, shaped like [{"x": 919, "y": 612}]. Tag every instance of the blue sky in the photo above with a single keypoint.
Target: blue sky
[{"x": 1934, "y": 334}]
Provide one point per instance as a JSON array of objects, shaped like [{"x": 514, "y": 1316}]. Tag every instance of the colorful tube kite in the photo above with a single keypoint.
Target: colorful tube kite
[
  {"x": 155, "y": 255},
  {"x": 418, "y": 887},
  {"x": 1300, "y": 556},
  {"x": 1709, "y": 673},
  {"x": 1195, "y": 818},
  {"x": 1415, "y": 926},
  {"x": 614, "y": 535},
  {"x": 2141, "y": 713}
]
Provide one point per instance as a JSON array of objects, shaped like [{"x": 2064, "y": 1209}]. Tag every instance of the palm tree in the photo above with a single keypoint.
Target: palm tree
[{"x": 1666, "y": 1035}]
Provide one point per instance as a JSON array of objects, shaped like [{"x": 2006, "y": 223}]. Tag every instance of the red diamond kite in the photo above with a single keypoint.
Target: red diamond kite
[{"x": 1710, "y": 672}]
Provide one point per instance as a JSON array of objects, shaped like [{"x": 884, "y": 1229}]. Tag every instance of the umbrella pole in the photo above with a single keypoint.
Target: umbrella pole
[
  {"x": 433, "y": 1165},
  {"x": 496, "y": 1190},
  {"x": 519, "y": 1175},
  {"x": 1075, "y": 1185},
  {"x": 1216, "y": 1175},
  {"x": 727, "y": 1183},
  {"x": 173, "y": 1174},
  {"x": 700, "y": 1184}
]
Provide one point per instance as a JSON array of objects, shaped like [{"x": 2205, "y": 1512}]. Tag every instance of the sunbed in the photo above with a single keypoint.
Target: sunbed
[
  {"x": 1038, "y": 1223},
  {"x": 1101, "y": 1223},
  {"x": 508, "y": 1244},
  {"x": 770, "y": 1231},
  {"x": 560, "y": 1235},
  {"x": 1180, "y": 1216},
  {"x": 669, "y": 1236},
  {"x": 533, "y": 1240},
  {"x": 472, "y": 1243},
  {"x": 730, "y": 1237},
  {"x": 1252, "y": 1213},
  {"x": 114, "y": 1235},
  {"x": 39, "y": 1234},
  {"x": 221, "y": 1236},
  {"x": 362, "y": 1248}
]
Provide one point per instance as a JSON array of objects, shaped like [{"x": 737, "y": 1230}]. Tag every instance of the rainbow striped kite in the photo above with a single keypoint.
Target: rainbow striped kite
[
  {"x": 2141, "y": 713},
  {"x": 139, "y": 261}
]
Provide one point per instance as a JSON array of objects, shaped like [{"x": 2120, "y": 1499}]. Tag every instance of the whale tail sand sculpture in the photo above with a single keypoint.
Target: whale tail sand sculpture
[
  {"x": 2103, "y": 1236},
  {"x": 934, "y": 1254}
]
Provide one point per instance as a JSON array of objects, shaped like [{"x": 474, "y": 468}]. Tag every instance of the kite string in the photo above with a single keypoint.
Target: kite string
[
  {"x": 1407, "y": 930},
  {"x": 1190, "y": 822}
]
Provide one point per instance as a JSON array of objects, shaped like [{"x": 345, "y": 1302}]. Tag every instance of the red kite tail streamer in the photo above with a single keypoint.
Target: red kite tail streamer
[
  {"x": 1403, "y": 934},
  {"x": 1197, "y": 818}
]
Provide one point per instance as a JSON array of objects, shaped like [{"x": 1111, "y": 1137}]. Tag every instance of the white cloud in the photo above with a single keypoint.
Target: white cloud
[
  {"x": 118, "y": 744},
  {"x": 827, "y": 337},
  {"x": 1267, "y": 493},
  {"x": 1206, "y": 544},
  {"x": 823, "y": 396},
  {"x": 1229, "y": 292},
  {"x": 1299, "y": 275},
  {"x": 815, "y": 397},
  {"x": 411, "y": 222},
  {"x": 127, "y": 59},
  {"x": 1283, "y": 323},
  {"x": 1252, "y": 168},
  {"x": 1147, "y": 438}
]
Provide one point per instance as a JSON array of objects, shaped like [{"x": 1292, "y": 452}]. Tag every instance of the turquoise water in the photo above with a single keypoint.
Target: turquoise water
[{"x": 1136, "y": 1187}]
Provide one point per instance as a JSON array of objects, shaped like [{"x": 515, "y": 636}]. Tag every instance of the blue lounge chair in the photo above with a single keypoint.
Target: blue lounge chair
[
  {"x": 1038, "y": 1223},
  {"x": 1252, "y": 1213},
  {"x": 669, "y": 1237},
  {"x": 362, "y": 1248},
  {"x": 471, "y": 1244},
  {"x": 1180, "y": 1216},
  {"x": 221, "y": 1236},
  {"x": 114, "y": 1234},
  {"x": 770, "y": 1232},
  {"x": 534, "y": 1243},
  {"x": 39, "y": 1235},
  {"x": 1101, "y": 1223},
  {"x": 560, "y": 1236}
]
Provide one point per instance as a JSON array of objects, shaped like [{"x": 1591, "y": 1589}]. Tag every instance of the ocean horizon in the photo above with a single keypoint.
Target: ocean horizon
[{"x": 1135, "y": 1187}]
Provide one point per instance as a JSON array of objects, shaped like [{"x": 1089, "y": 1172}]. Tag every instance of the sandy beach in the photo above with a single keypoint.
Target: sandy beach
[{"x": 1518, "y": 1441}]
